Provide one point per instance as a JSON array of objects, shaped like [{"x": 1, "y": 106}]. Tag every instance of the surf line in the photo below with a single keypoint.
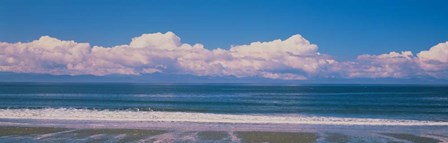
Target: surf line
[{"x": 156, "y": 116}]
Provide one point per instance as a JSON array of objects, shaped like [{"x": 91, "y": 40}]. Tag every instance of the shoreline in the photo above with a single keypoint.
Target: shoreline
[
  {"x": 57, "y": 130},
  {"x": 100, "y": 131},
  {"x": 200, "y": 126}
]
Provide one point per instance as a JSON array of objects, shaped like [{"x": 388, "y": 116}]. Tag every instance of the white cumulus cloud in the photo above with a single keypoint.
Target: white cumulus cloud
[
  {"x": 294, "y": 58},
  {"x": 393, "y": 64},
  {"x": 435, "y": 61}
]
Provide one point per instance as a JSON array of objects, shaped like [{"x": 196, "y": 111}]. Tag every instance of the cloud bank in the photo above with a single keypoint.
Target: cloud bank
[{"x": 294, "y": 58}]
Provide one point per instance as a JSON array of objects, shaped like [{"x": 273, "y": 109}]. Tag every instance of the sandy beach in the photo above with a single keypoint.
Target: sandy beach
[{"x": 110, "y": 131}]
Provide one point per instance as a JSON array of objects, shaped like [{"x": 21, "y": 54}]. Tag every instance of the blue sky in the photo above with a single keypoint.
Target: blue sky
[{"x": 341, "y": 29}]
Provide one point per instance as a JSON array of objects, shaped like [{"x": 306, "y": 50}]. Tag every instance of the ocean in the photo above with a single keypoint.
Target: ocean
[{"x": 132, "y": 112}]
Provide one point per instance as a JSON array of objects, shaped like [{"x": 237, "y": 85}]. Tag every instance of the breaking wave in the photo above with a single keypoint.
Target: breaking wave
[{"x": 157, "y": 116}]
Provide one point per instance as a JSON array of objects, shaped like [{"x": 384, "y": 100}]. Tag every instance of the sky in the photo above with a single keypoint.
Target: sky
[{"x": 314, "y": 40}]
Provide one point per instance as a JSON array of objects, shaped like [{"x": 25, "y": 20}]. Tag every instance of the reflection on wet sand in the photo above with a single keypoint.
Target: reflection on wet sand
[{"x": 50, "y": 134}]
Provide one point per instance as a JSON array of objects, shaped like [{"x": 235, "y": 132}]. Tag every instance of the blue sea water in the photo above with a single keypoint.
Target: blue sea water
[
  {"x": 407, "y": 102},
  {"x": 128, "y": 112}
]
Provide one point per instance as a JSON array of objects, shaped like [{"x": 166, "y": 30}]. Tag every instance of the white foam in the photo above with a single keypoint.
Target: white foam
[{"x": 155, "y": 116}]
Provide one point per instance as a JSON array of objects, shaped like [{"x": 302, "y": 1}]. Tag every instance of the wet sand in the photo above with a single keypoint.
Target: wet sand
[
  {"x": 19, "y": 131},
  {"x": 412, "y": 138},
  {"x": 50, "y": 134},
  {"x": 213, "y": 135},
  {"x": 337, "y": 138},
  {"x": 277, "y": 137}
]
